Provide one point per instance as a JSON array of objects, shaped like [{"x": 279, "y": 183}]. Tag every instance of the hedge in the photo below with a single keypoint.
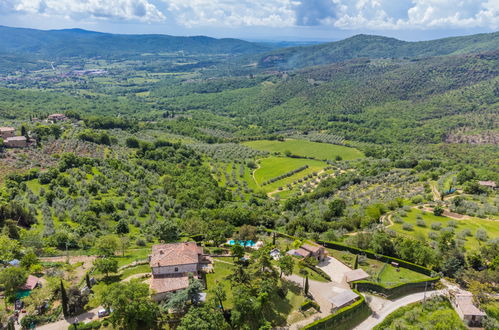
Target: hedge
[
  {"x": 309, "y": 304},
  {"x": 318, "y": 271},
  {"x": 396, "y": 290},
  {"x": 372, "y": 255},
  {"x": 333, "y": 321}
]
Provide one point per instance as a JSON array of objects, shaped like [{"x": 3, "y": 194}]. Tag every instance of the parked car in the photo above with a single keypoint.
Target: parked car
[{"x": 104, "y": 312}]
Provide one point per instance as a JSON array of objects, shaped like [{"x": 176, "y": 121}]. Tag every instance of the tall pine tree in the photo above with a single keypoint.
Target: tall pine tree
[{"x": 64, "y": 298}]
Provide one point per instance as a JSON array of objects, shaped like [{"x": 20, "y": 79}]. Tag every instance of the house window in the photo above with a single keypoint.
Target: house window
[{"x": 176, "y": 269}]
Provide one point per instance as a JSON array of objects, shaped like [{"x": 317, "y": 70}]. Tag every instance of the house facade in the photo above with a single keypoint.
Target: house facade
[
  {"x": 7, "y": 132},
  {"x": 171, "y": 265},
  {"x": 15, "y": 142}
]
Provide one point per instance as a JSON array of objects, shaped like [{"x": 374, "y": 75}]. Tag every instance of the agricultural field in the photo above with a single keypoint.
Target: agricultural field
[
  {"x": 470, "y": 230},
  {"x": 303, "y": 148}
]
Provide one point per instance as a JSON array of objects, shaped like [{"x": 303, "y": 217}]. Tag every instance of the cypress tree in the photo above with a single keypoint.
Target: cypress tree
[
  {"x": 273, "y": 239},
  {"x": 306, "y": 285},
  {"x": 356, "y": 263},
  {"x": 64, "y": 299},
  {"x": 87, "y": 279}
]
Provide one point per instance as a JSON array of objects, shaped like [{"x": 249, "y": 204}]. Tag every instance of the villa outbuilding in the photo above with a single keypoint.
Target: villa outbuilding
[
  {"x": 343, "y": 299},
  {"x": 356, "y": 275}
]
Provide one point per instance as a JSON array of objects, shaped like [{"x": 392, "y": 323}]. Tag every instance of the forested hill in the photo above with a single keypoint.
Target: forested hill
[
  {"x": 375, "y": 47},
  {"x": 77, "y": 42}
]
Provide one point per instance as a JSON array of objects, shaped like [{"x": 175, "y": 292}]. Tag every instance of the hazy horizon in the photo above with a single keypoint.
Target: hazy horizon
[{"x": 259, "y": 20}]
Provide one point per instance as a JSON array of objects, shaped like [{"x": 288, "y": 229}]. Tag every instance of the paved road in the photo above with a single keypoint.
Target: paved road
[
  {"x": 385, "y": 308},
  {"x": 64, "y": 324}
]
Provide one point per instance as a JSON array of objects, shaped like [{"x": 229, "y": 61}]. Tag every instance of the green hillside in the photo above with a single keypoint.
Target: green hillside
[
  {"x": 55, "y": 43},
  {"x": 370, "y": 46}
]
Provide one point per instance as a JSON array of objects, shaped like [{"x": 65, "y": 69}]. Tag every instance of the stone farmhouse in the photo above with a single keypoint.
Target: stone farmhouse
[
  {"x": 15, "y": 142},
  {"x": 171, "y": 265},
  {"x": 56, "y": 117},
  {"x": 307, "y": 250},
  {"x": 7, "y": 132}
]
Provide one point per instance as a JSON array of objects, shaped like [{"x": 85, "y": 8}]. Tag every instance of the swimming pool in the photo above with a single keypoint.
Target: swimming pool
[{"x": 249, "y": 243}]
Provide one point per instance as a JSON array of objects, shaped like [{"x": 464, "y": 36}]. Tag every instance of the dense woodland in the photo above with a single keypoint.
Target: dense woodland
[{"x": 153, "y": 151}]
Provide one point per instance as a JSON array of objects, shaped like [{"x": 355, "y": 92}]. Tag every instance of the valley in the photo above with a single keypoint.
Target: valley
[{"x": 309, "y": 186}]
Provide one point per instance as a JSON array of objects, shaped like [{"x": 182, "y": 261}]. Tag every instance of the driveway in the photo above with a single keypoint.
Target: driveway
[
  {"x": 322, "y": 291},
  {"x": 64, "y": 324},
  {"x": 336, "y": 270},
  {"x": 382, "y": 308}
]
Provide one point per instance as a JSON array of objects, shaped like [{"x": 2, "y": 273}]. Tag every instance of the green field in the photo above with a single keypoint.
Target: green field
[
  {"x": 491, "y": 226},
  {"x": 273, "y": 167},
  {"x": 303, "y": 148}
]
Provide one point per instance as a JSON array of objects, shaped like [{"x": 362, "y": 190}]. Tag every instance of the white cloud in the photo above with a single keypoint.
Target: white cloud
[
  {"x": 340, "y": 14},
  {"x": 272, "y": 13},
  {"x": 140, "y": 10}
]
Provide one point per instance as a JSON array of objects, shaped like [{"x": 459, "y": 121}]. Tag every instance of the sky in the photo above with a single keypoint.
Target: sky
[{"x": 272, "y": 20}]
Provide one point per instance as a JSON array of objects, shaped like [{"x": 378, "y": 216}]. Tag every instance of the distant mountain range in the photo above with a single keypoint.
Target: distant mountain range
[
  {"x": 370, "y": 46},
  {"x": 77, "y": 42}
]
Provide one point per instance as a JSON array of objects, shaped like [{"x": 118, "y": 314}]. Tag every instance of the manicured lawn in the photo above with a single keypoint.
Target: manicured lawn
[
  {"x": 221, "y": 271},
  {"x": 491, "y": 226},
  {"x": 311, "y": 274},
  {"x": 380, "y": 272},
  {"x": 303, "y": 148},
  {"x": 436, "y": 313},
  {"x": 140, "y": 269},
  {"x": 273, "y": 167},
  {"x": 390, "y": 275},
  {"x": 133, "y": 255}
]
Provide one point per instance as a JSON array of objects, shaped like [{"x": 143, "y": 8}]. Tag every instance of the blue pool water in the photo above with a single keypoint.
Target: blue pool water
[{"x": 243, "y": 243}]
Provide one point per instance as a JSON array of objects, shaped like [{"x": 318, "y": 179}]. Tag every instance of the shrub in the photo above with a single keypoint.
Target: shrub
[
  {"x": 407, "y": 226},
  {"x": 452, "y": 223},
  {"x": 420, "y": 223},
  {"x": 436, "y": 225},
  {"x": 432, "y": 235},
  {"x": 397, "y": 219},
  {"x": 481, "y": 234},
  {"x": 438, "y": 211}
]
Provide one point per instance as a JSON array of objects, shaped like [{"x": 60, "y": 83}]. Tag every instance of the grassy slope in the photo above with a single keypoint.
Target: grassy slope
[
  {"x": 305, "y": 148},
  {"x": 491, "y": 226},
  {"x": 413, "y": 316},
  {"x": 275, "y": 166}
]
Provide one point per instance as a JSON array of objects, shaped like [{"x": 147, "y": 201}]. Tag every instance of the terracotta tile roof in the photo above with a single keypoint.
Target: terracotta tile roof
[
  {"x": 7, "y": 129},
  {"x": 304, "y": 253},
  {"x": 16, "y": 138},
  {"x": 311, "y": 248},
  {"x": 465, "y": 304},
  {"x": 487, "y": 183},
  {"x": 356, "y": 275},
  {"x": 168, "y": 283},
  {"x": 31, "y": 283},
  {"x": 175, "y": 254}
]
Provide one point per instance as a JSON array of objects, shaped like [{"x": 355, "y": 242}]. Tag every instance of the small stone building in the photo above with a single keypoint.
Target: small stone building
[
  {"x": 463, "y": 304},
  {"x": 15, "y": 142},
  {"x": 7, "y": 132}
]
